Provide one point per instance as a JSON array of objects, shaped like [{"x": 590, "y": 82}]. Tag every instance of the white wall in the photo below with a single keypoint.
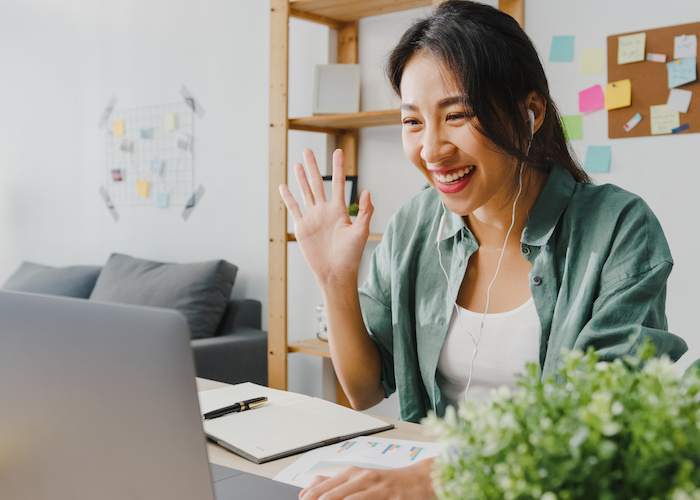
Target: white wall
[{"x": 61, "y": 62}]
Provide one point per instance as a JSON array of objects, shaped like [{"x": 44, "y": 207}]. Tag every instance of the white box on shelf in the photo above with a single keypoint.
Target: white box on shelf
[{"x": 336, "y": 88}]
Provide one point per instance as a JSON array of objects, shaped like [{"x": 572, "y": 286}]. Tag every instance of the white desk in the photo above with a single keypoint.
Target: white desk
[{"x": 221, "y": 456}]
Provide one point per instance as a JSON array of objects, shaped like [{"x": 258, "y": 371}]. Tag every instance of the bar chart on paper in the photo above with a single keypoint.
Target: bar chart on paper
[{"x": 368, "y": 452}]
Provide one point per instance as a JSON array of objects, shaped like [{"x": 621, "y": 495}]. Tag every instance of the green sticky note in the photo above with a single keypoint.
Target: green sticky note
[
  {"x": 573, "y": 127},
  {"x": 598, "y": 159},
  {"x": 562, "y": 49}
]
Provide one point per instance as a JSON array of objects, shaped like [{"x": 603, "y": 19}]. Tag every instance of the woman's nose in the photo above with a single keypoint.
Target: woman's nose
[{"x": 435, "y": 146}]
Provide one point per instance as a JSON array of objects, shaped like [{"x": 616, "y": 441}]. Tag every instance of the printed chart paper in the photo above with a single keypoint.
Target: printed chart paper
[{"x": 370, "y": 452}]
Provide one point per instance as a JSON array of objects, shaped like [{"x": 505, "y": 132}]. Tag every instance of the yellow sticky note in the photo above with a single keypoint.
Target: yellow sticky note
[
  {"x": 142, "y": 188},
  {"x": 631, "y": 48},
  {"x": 592, "y": 61},
  {"x": 170, "y": 123},
  {"x": 663, "y": 120},
  {"x": 118, "y": 128},
  {"x": 618, "y": 94}
]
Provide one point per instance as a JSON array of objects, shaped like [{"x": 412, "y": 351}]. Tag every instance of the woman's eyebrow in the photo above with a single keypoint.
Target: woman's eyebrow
[
  {"x": 450, "y": 101},
  {"x": 442, "y": 103}
]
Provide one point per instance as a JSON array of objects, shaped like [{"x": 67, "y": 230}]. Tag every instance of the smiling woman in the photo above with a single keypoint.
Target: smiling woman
[{"x": 512, "y": 257}]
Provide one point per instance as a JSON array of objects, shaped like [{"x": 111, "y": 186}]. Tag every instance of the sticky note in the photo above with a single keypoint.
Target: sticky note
[
  {"x": 146, "y": 132},
  {"x": 127, "y": 146},
  {"x": 118, "y": 128},
  {"x": 632, "y": 122},
  {"x": 685, "y": 46},
  {"x": 663, "y": 120},
  {"x": 162, "y": 199},
  {"x": 142, "y": 188},
  {"x": 116, "y": 175},
  {"x": 156, "y": 166},
  {"x": 573, "y": 127},
  {"x": 679, "y": 100},
  {"x": 618, "y": 94},
  {"x": 591, "y": 99},
  {"x": 598, "y": 159},
  {"x": 170, "y": 122},
  {"x": 631, "y": 48},
  {"x": 184, "y": 141},
  {"x": 680, "y": 129},
  {"x": 681, "y": 71},
  {"x": 592, "y": 61},
  {"x": 562, "y": 49}
]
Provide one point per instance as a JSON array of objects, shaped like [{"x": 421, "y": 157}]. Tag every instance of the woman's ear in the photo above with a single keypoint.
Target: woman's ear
[{"x": 536, "y": 104}]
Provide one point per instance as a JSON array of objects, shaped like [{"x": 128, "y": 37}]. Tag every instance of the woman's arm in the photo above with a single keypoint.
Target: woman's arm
[{"x": 332, "y": 247}]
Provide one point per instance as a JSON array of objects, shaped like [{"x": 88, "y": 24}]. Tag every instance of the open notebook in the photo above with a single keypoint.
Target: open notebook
[{"x": 287, "y": 424}]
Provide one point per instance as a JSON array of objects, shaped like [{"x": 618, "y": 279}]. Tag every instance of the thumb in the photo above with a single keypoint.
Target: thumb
[{"x": 365, "y": 211}]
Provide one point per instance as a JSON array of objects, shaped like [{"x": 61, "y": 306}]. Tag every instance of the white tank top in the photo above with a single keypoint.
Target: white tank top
[{"x": 508, "y": 341}]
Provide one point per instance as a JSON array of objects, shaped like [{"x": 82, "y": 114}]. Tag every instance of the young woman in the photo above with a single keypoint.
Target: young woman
[{"x": 512, "y": 256}]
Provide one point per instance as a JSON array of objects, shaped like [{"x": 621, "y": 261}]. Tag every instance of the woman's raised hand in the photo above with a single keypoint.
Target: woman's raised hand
[{"x": 331, "y": 244}]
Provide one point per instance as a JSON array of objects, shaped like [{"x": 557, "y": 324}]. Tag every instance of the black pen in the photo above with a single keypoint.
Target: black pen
[{"x": 241, "y": 406}]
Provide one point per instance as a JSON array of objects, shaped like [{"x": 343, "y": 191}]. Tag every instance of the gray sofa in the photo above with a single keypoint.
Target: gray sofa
[{"x": 228, "y": 343}]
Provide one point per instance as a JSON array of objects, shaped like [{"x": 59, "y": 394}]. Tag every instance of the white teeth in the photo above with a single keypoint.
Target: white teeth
[{"x": 446, "y": 179}]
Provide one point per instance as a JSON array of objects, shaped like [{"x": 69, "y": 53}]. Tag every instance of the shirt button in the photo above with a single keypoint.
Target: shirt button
[
  {"x": 536, "y": 280},
  {"x": 526, "y": 250}
]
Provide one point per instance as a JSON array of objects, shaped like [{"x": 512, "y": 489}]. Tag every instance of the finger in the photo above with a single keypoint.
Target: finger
[
  {"x": 319, "y": 487},
  {"x": 306, "y": 194},
  {"x": 338, "y": 175},
  {"x": 290, "y": 202},
  {"x": 315, "y": 178},
  {"x": 314, "y": 482},
  {"x": 364, "y": 214}
]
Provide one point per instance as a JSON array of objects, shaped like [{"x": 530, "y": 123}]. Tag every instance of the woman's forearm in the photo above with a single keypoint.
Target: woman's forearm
[{"x": 355, "y": 356}]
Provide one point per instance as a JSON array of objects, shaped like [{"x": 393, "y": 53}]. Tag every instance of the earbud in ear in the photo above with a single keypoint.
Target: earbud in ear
[{"x": 531, "y": 121}]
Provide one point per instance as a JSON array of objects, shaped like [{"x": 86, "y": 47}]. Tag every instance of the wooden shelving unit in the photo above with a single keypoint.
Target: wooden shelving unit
[{"x": 343, "y": 16}]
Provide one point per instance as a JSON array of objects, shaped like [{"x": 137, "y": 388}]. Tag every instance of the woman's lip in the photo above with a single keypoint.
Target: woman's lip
[{"x": 453, "y": 188}]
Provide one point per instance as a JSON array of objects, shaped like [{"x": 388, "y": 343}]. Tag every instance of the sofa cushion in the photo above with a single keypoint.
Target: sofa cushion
[
  {"x": 71, "y": 281},
  {"x": 199, "y": 290}
]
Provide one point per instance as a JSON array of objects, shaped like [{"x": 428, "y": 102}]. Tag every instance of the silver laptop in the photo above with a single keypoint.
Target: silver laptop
[{"x": 99, "y": 401}]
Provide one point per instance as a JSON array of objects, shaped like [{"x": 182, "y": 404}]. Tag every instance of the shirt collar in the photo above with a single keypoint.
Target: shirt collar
[
  {"x": 549, "y": 206},
  {"x": 454, "y": 223}
]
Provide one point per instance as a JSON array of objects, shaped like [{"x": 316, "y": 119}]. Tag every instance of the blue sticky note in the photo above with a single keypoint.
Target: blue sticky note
[
  {"x": 162, "y": 199},
  {"x": 598, "y": 159},
  {"x": 681, "y": 71},
  {"x": 562, "y": 49}
]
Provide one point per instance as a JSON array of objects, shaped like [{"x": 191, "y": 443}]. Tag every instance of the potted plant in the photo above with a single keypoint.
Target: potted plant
[{"x": 602, "y": 430}]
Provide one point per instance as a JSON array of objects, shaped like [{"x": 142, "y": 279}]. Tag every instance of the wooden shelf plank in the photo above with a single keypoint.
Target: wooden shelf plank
[
  {"x": 338, "y": 122},
  {"x": 315, "y": 347},
  {"x": 372, "y": 237},
  {"x": 342, "y": 11}
]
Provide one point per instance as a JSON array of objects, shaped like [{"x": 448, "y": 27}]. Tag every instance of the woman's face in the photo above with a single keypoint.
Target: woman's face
[{"x": 440, "y": 137}]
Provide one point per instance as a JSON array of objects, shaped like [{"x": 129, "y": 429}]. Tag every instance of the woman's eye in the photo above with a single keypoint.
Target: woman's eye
[
  {"x": 410, "y": 121},
  {"x": 456, "y": 116}
]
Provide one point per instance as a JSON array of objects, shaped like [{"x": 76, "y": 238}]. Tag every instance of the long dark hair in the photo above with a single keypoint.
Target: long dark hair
[{"x": 497, "y": 67}]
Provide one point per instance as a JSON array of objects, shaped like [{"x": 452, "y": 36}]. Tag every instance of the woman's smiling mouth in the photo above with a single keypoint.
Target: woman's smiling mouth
[{"x": 453, "y": 181}]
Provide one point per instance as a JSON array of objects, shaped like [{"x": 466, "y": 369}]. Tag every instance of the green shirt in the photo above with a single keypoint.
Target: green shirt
[{"x": 599, "y": 260}]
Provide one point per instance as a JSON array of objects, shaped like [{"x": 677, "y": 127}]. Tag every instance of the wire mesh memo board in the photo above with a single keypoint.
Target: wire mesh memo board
[{"x": 149, "y": 155}]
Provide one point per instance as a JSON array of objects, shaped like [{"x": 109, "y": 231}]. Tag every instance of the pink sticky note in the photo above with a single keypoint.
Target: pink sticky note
[{"x": 591, "y": 99}]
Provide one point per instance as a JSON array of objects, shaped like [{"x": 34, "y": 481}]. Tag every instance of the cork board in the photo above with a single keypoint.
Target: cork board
[{"x": 650, "y": 82}]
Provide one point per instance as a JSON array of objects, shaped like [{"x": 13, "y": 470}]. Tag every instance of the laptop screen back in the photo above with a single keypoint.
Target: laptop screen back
[{"x": 98, "y": 401}]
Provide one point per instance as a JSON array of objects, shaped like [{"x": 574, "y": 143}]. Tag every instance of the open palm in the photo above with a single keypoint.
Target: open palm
[{"x": 331, "y": 244}]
